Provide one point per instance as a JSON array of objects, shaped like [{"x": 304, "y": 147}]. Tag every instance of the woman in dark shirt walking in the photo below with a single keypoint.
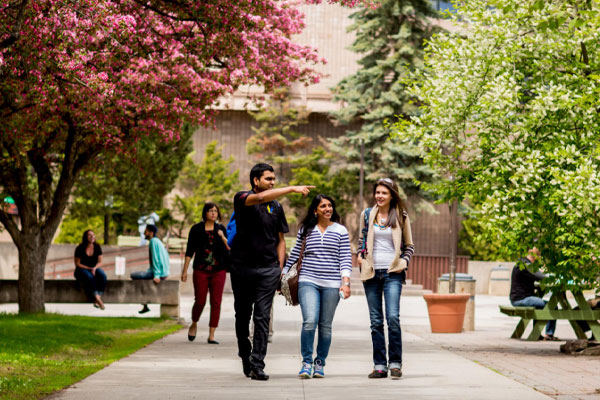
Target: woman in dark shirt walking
[
  {"x": 207, "y": 243},
  {"x": 88, "y": 259}
]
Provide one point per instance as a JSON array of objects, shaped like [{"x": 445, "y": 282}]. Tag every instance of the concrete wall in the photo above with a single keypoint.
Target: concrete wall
[
  {"x": 9, "y": 257},
  {"x": 480, "y": 270}
]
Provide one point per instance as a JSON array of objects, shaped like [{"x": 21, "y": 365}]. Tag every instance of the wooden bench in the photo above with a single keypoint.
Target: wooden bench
[
  {"x": 165, "y": 293},
  {"x": 551, "y": 312}
]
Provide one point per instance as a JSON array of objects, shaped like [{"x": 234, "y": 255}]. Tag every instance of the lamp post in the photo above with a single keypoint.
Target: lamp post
[{"x": 108, "y": 203}]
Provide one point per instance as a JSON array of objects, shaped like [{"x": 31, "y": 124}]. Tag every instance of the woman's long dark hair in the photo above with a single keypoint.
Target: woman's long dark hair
[
  {"x": 310, "y": 220},
  {"x": 397, "y": 204},
  {"x": 84, "y": 239},
  {"x": 209, "y": 206}
]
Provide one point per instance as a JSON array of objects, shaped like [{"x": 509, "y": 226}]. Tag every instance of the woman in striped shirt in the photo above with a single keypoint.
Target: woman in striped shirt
[
  {"x": 387, "y": 247},
  {"x": 324, "y": 278}
]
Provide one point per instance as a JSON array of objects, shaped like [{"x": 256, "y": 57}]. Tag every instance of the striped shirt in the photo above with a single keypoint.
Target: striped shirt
[{"x": 327, "y": 256}]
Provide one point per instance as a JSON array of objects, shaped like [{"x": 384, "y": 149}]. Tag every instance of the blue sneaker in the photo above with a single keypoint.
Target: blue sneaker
[
  {"x": 318, "y": 371},
  {"x": 306, "y": 371}
]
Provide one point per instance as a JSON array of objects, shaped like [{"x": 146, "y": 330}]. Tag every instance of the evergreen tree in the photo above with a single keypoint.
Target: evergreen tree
[
  {"x": 296, "y": 159},
  {"x": 391, "y": 39},
  {"x": 211, "y": 180},
  {"x": 276, "y": 139}
]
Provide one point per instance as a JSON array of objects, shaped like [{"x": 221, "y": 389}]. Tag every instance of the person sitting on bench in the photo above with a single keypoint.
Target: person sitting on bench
[
  {"x": 159, "y": 261},
  {"x": 522, "y": 289}
]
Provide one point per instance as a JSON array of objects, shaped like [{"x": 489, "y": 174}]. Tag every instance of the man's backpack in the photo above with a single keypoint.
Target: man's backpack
[{"x": 231, "y": 229}]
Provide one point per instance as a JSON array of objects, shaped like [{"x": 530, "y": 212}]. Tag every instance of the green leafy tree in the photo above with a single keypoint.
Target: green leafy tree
[
  {"x": 319, "y": 168},
  {"x": 276, "y": 139},
  {"x": 71, "y": 229},
  {"x": 211, "y": 180},
  {"x": 390, "y": 37},
  {"x": 295, "y": 157},
  {"x": 474, "y": 242},
  {"x": 510, "y": 118},
  {"x": 125, "y": 187}
]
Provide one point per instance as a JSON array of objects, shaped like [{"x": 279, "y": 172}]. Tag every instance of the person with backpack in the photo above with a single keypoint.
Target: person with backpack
[
  {"x": 386, "y": 247},
  {"x": 258, "y": 255}
]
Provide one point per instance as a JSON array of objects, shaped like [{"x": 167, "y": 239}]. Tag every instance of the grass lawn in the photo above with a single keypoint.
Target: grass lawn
[{"x": 43, "y": 353}]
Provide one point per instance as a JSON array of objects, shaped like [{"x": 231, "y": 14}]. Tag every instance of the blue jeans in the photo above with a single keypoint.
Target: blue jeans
[
  {"x": 93, "y": 284},
  {"x": 388, "y": 286},
  {"x": 318, "y": 306},
  {"x": 143, "y": 275},
  {"x": 539, "y": 303}
]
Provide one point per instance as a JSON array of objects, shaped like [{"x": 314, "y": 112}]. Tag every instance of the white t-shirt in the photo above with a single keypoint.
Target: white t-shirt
[{"x": 383, "y": 247}]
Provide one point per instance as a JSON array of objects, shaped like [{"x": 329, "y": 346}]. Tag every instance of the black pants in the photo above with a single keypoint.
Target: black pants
[{"x": 253, "y": 290}]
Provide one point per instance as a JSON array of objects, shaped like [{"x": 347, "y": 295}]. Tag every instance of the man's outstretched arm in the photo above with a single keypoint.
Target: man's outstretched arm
[{"x": 272, "y": 194}]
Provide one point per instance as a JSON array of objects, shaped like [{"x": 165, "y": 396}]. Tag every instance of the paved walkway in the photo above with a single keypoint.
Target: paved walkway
[{"x": 435, "y": 366}]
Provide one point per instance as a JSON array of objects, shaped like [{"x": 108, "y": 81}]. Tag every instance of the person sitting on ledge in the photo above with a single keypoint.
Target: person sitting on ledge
[
  {"x": 522, "y": 289},
  {"x": 159, "y": 261}
]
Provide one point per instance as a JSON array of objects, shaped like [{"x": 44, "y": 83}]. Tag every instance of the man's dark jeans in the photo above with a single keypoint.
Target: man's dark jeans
[{"x": 253, "y": 290}]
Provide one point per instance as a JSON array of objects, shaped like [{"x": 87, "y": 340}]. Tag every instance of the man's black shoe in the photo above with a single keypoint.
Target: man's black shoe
[
  {"x": 258, "y": 374},
  {"x": 144, "y": 310},
  {"x": 246, "y": 367}
]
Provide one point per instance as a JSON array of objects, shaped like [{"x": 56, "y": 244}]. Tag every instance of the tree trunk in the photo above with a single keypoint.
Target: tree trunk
[
  {"x": 453, "y": 243},
  {"x": 32, "y": 263}
]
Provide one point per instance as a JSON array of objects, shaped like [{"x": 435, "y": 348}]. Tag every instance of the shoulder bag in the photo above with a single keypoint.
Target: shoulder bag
[{"x": 289, "y": 281}]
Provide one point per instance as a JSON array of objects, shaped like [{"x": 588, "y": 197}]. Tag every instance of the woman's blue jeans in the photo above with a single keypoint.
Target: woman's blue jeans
[
  {"x": 318, "y": 306},
  {"x": 92, "y": 284},
  {"x": 538, "y": 303},
  {"x": 389, "y": 287}
]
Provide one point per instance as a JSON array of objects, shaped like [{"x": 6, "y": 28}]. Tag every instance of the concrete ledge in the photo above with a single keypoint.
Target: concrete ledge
[{"x": 165, "y": 293}]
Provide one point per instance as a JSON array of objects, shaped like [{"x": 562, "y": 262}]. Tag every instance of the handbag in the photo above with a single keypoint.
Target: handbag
[{"x": 289, "y": 281}]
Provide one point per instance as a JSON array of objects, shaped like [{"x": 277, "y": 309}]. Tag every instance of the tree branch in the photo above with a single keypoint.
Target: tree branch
[
  {"x": 16, "y": 33},
  {"x": 14, "y": 179},
  {"x": 584, "y": 54},
  {"x": 10, "y": 225},
  {"x": 44, "y": 179},
  {"x": 145, "y": 5}
]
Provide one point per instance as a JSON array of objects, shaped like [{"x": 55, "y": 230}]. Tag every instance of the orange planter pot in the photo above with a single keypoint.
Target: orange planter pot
[{"x": 446, "y": 311}]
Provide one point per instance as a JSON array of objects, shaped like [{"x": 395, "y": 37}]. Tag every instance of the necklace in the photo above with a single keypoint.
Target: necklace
[{"x": 381, "y": 224}]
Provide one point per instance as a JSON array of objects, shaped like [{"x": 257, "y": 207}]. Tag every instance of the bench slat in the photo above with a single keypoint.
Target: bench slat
[{"x": 533, "y": 313}]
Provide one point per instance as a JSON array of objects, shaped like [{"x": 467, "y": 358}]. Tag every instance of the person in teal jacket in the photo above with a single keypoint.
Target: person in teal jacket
[{"x": 159, "y": 261}]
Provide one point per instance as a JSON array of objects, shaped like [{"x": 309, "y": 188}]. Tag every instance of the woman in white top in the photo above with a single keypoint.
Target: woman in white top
[
  {"x": 325, "y": 273},
  {"x": 386, "y": 245}
]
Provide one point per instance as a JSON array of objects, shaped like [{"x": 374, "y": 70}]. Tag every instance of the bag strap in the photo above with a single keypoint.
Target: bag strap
[{"x": 301, "y": 256}]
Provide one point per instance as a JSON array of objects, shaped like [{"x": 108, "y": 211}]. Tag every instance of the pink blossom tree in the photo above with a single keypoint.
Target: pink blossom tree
[{"x": 80, "y": 78}]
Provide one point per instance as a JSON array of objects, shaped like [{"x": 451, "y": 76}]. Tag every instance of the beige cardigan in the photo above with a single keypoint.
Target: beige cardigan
[{"x": 399, "y": 236}]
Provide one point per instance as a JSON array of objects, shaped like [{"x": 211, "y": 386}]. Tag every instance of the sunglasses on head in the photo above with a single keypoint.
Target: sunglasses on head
[{"x": 386, "y": 180}]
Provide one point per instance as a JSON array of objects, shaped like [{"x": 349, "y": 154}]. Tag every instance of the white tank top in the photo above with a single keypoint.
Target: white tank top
[{"x": 383, "y": 247}]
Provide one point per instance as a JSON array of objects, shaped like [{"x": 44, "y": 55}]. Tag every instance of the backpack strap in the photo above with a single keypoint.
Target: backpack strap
[{"x": 365, "y": 229}]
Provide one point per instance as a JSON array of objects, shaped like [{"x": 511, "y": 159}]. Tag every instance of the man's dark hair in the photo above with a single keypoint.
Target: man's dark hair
[
  {"x": 152, "y": 228},
  {"x": 258, "y": 170}
]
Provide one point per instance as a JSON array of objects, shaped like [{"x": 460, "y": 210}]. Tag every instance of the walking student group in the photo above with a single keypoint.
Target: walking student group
[{"x": 254, "y": 253}]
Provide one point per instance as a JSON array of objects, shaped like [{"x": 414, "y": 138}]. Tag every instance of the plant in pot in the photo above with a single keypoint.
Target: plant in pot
[{"x": 518, "y": 137}]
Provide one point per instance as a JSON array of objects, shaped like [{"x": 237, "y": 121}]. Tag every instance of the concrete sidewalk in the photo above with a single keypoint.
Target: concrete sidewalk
[{"x": 173, "y": 368}]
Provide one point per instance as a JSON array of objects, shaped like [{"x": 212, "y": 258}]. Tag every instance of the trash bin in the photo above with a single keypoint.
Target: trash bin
[
  {"x": 464, "y": 284},
  {"x": 500, "y": 281}
]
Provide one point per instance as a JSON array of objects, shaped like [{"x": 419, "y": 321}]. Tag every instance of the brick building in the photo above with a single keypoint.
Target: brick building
[{"x": 326, "y": 27}]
